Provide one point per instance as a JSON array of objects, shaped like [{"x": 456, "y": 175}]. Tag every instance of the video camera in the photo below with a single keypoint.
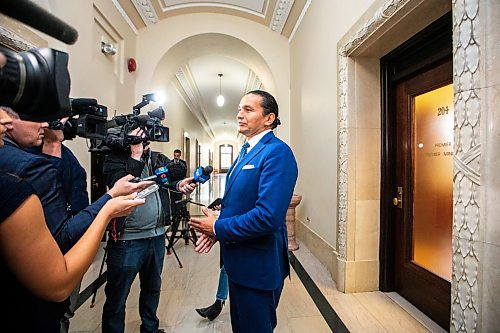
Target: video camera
[
  {"x": 119, "y": 128},
  {"x": 91, "y": 122}
]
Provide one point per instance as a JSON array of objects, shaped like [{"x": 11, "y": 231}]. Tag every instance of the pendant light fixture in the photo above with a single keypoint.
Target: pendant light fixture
[{"x": 220, "y": 98}]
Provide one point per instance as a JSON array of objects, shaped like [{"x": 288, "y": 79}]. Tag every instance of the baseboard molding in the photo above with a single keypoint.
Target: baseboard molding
[{"x": 349, "y": 276}]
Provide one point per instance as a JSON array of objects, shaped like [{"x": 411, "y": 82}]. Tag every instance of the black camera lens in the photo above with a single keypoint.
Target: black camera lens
[{"x": 36, "y": 84}]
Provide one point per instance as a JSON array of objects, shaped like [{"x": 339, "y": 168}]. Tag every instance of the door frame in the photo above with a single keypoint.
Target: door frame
[{"x": 429, "y": 48}]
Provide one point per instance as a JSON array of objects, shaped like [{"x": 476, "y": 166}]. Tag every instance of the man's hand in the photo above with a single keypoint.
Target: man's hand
[
  {"x": 204, "y": 225},
  {"x": 204, "y": 244},
  {"x": 137, "y": 150},
  {"x": 123, "y": 186},
  {"x": 52, "y": 140},
  {"x": 187, "y": 186}
]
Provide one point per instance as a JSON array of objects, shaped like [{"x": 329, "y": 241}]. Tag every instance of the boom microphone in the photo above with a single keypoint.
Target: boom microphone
[
  {"x": 202, "y": 174},
  {"x": 35, "y": 16}
]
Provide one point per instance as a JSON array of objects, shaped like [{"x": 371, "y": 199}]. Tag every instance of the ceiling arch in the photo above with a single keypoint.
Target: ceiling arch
[{"x": 192, "y": 66}]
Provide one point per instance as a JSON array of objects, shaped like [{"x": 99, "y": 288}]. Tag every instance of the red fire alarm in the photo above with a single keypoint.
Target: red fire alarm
[{"x": 132, "y": 65}]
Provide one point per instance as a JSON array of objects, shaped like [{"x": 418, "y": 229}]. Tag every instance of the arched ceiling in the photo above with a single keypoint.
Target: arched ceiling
[
  {"x": 280, "y": 16},
  {"x": 196, "y": 78}
]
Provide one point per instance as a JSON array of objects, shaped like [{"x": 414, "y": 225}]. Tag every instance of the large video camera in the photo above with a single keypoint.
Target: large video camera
[
  {"x": 91, "y": 122},
  {"x": 120, "y": 127},
  {"x": 36, "y": 84}
]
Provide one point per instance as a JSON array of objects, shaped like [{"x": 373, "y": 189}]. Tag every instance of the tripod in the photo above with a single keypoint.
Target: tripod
[{"x": 180, "y": 226}]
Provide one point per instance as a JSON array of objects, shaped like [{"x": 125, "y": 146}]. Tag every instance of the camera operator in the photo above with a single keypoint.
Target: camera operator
[
  {"x": 140, "y": 247},
  {"x": 31, "y": 263},
  {"x": 45, "y": 179}
]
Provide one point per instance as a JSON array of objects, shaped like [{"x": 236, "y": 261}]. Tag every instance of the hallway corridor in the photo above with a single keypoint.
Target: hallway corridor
[{"x": 194, "y": 286}]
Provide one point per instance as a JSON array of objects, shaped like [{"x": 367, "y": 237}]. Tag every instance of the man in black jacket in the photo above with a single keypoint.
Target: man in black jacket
[{"x": 139, "y": 248}]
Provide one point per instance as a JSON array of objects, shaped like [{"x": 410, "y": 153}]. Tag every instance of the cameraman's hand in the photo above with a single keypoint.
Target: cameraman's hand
[
  {"x": 187, "y": 186},
  {"x": 121, "y": 206},
  {"x": 137, "y": 150},
  {"x": 54, "y": 136},
  {"x": 52, "y": 140},
  {"x": 123, "y": 186}
]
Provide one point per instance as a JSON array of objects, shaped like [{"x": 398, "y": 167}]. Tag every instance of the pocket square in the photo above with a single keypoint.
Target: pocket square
[{"x": 248, "y": 166}]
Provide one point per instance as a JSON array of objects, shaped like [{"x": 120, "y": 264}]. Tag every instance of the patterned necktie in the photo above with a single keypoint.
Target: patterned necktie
[
  {"x": 243, "y": 151},
  {"x": 242, "y": 154}
]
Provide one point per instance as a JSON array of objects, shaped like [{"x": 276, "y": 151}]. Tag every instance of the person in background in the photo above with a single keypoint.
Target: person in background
[
  {"x": 177, "y": 158},
  {"x": 177, "y": 170},
  {"x": 139, "y": 248},
  {"x": 251, "y": 228}
]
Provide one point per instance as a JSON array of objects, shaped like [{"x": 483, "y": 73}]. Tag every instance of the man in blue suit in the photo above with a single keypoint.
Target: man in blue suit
[{"x": 251, "y": 228}]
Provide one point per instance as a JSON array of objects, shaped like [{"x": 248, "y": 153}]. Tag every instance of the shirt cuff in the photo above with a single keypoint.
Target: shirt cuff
[{"x": 213, "y": 227}]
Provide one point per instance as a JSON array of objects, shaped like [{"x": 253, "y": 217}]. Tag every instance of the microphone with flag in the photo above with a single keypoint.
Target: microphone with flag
[
  {"x": 161, "y": 177},
  {"x": 202, "y": 174}
]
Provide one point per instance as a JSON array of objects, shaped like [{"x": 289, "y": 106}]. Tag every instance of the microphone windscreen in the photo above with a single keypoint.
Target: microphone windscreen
[
  {"x": 208, "y": 170},
  {"x": 31, "y": 14}
]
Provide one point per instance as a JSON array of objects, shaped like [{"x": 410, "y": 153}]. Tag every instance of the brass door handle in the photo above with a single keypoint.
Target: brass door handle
[{"x": 398, "y": 199}]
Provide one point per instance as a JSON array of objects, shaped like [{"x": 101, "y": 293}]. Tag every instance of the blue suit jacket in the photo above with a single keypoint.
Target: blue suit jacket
[
  {"x": 44, "y": 177},
  {"x": 251, "y": 227}
]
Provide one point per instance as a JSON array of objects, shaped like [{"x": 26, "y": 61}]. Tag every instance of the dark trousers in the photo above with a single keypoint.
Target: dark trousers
[
  {"x": 126, "y": 259},
  {"x": 253, "y": 310}
]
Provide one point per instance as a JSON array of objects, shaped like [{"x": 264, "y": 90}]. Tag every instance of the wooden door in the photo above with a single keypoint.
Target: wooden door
[
  {"x": 417, "y": 171},
  {"x": 423, "y": 191}
]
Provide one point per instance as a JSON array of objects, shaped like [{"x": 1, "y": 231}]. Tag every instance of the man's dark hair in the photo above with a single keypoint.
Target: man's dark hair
[
  {"x": 177, "y": 151},
  {"x": 269, "y": 105}
]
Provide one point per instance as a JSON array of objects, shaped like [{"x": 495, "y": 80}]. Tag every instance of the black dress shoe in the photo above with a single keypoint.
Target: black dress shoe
[{"x": 212, "y": 311}]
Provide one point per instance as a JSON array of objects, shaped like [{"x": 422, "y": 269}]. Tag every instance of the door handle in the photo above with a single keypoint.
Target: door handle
[{"x": 398, "y": 199}]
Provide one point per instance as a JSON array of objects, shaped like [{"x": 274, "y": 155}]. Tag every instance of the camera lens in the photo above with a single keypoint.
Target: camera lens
[{"x": 36, "y": 84}]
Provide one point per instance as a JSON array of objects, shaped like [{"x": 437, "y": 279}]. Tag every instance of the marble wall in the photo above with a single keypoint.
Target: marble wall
[
  {"x": 353, "y": 260},
  {"x": 476, "y": 231}
]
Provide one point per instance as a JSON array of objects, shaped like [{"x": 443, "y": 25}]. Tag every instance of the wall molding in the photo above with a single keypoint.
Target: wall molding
[{"x": 465, "y": 302}]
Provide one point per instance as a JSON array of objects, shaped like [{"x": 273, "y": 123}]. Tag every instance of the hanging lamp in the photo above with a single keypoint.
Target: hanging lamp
[{"x": 220, "y": 98}]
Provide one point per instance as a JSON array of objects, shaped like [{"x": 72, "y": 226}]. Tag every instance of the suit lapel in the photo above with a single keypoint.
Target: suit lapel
[{"x": 234, "y": 170}]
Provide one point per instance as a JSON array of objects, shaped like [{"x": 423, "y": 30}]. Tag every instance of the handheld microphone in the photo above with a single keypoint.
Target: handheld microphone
[
  {"x": 161, "y": 177},
  {"x": 202, "y": 174}
]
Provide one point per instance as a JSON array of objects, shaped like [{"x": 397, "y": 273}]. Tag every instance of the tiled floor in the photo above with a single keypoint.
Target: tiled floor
[{"x": 194, "y": 285}]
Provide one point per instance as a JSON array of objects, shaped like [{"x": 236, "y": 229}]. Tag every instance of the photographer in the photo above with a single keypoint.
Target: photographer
[
  {"x": 140, "y": 246},
  {"x": 45, "y": 179},
  {"x": 31, "y": 263}
]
